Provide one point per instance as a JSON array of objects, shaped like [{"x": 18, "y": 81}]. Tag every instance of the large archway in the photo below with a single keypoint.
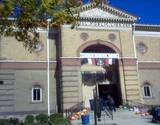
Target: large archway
[{"x": 111, "y": 83}]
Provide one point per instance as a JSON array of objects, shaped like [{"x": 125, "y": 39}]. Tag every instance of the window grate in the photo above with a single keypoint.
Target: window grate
[{"x": 1, "y": 82}]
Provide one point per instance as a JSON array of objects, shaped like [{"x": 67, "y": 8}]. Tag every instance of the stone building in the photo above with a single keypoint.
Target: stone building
[{"x": 134, "y": 74}]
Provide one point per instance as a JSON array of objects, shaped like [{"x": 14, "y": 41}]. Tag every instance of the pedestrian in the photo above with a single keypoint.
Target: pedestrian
[
  {"x": 99, "y": 108},
  {"x": 110, "y": 103}
]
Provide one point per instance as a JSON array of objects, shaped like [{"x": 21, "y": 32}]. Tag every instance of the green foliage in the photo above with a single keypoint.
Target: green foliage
[
  {"x": 57, "y": 119},
  {"x": 4, "y": 122},
  {"x": 14, "y": 121},
  {"x": 6, "y": 8},
  {"x": 54, "y": 119},
  {"x": 29, "y": 120},
  {"x": 34, "y": 14},
  {"x": 42, "y": 118},
  {"x": 10, "y": 121}
]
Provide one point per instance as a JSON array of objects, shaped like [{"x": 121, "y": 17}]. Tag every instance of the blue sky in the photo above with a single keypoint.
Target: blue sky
[{"x": 147, "y": 10}]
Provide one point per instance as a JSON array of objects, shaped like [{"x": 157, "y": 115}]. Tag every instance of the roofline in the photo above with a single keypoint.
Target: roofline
[
  {"x": 135, "y": 18},
  {"x": 123, "y": 11},
  {"x": 147, "y": 27}
]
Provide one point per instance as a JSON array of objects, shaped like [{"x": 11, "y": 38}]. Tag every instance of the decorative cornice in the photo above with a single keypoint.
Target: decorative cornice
[
  {"x": 100, "y": 27},
  {"x": 146, "y": 27},
  {"x": 147, "y": 33},
  {"x": 104, "y": 22}
]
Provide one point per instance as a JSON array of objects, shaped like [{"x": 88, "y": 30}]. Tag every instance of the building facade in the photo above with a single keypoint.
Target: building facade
[{"x": 134, "y": 75}]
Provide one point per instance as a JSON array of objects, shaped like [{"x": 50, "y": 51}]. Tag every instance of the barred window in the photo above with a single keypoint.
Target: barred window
[
  {"x": 1, "y": 82},
  {"x": 147, "y": 90},
  {"x": 36, "y": 94}
]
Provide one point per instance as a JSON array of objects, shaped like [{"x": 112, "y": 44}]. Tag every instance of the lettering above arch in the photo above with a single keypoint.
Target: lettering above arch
[{"x": 96, "y": 42}]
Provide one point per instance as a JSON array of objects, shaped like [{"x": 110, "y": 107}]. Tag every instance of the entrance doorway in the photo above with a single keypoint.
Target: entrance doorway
[
  {"x": 113, "y": 91},
  {"x": 112, "y": 87},
  {"x": 111, "y": 80}
]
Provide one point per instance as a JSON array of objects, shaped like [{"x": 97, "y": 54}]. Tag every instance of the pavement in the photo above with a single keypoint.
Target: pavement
[{"x": 120, "y": 117}]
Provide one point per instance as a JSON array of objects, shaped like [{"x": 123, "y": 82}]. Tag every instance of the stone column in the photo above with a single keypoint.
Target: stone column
[
  {"x": 70, "y": 82},
  {"x": 129, "y": 81}
]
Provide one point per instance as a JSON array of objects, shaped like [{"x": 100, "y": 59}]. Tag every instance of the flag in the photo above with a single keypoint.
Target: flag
[
  {"x": 110, "y": 61},
  {"x": 107, "y": 61},
  {"x": 91, "y": 61},
  {"x": 113, "y": 61},
  {"x": 84, "y": 61},
  {"x": 99, "y": 61}
]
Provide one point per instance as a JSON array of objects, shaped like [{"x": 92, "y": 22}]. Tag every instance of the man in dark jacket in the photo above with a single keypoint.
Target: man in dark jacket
[{"x": 110, "y": 103}]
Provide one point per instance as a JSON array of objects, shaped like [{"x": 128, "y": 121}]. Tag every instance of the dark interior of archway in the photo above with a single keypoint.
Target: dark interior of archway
[
  {"x": 113, "y": 89},
  {"x": 98, "y": 48}
]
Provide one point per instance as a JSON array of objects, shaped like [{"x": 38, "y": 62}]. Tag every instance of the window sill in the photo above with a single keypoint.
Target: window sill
[
  {"x": 36, "y": 102},
  {"x": 148, "y": 97}
]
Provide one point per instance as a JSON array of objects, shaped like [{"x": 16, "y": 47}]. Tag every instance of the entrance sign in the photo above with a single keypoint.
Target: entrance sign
[{"x": 100, "y": 55}]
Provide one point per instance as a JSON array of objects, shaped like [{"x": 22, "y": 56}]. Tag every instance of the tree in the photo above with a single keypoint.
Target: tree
[{"x": 28, "y": 15}]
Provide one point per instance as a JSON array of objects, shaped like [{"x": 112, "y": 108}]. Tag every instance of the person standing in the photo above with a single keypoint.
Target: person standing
[{"x": 110, "y": 103}]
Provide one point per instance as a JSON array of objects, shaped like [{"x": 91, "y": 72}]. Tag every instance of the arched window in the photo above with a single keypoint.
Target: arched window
[
  {"x": 36, "y": 93},
  {"x": 147, "y": 90}
]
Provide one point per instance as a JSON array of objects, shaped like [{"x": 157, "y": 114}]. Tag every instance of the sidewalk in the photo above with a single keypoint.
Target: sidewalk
[{"x": 121, "y": 117}]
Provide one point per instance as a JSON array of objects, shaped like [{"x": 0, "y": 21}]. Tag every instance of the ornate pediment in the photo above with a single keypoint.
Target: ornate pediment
[
  {"x": 97, "y": 13},
  {"x": 104, "y": 13}
]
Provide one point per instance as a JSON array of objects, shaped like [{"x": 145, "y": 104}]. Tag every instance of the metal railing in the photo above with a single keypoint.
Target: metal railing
[{"x": 108, "y": 112}]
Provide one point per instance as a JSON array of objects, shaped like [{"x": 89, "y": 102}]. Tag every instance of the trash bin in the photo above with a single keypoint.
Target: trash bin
[{"x": 85, "y": 119}]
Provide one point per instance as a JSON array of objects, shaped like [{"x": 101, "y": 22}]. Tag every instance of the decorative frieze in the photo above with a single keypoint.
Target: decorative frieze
[{"x": 103, "y": 23}]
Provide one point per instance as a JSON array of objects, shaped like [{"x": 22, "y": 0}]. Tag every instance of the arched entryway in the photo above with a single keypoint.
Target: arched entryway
[{"x": 110, "y": 83}]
